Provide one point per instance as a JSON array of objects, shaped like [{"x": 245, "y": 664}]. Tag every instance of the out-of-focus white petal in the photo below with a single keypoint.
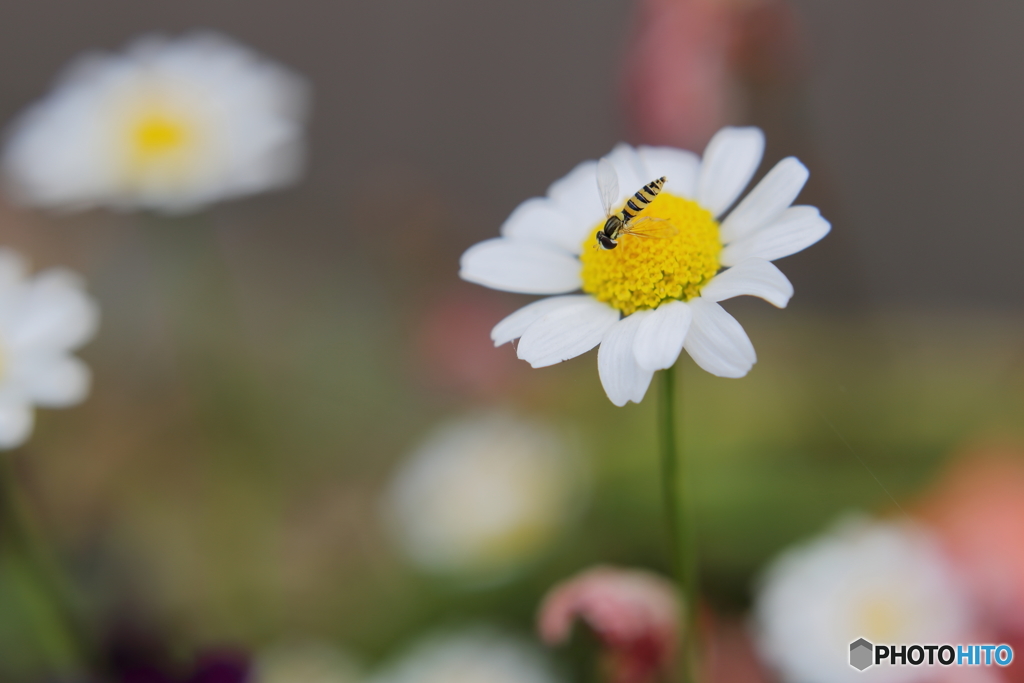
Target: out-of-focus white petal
[
  {"x": 483, "y": 495},
  {"x": 240, "y": 117},
  {"x": 475, "y": 655},
  {"x": 521, "y": 267},
  {"x": 52, "y": 381},
  {"x": 537, "y": 219},
  {"x": 622, "y": 378},
  {"x": 566, "y": 332},
  {"x": 12, "y": 288},
  {"x": 796, "y": 229},
  {"x": 830, "y": 591},
  {"x": 730, "y": 160},
  {"x": 767, "y": 200},
  {"x": 16, "y": 421},
  {"x": 513, "y": 326},
  {"x": 717, "y": 342},
  {"x": 576, "y": 195},
  {"x": 751, "y": 277},
  {"x": 55, "y": 314},
  {"x": 660, "y": 336},
  {"x": 679, "y": 166},
  {"x": 13, "y": 269}
]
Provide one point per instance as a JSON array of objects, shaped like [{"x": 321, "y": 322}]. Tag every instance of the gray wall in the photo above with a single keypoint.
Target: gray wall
[{"x": 910, "y": 117}]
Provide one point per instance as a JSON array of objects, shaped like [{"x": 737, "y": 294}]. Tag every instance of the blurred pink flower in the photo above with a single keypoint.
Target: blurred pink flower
[
  {"x": 676, "y": 70},
  {"x": 634, "y": 613},
  {"x": 978, "y": 510},
  {"x": 681, "y": 77}
]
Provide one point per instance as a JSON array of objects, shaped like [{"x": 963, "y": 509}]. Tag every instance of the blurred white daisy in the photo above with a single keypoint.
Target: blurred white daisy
[
  {"x": 647, "y": 299},
  {"x": 886, "y": 582},
  {"x": 169, "y": 125},
  {"x": 484, "y": 495},
  {"x": 476, "y": 655},
  {"x": 42, "y": 320}
]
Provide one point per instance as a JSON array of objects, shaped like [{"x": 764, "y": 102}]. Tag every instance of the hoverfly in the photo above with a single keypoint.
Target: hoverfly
[{"x": 625, "y": 222}]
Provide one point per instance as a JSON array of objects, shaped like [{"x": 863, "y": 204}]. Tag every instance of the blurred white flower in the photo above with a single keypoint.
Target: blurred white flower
[
  {"x": 646, "y": 300},
  {"x": 169, "y": 125},
  {"x": 478, "y": 655},
  {"x": 887, "y": 582},
  {"x": 305, "y": 663},
  {"x": 483, "y": 495},
  {"x": 42, "y": 319}
]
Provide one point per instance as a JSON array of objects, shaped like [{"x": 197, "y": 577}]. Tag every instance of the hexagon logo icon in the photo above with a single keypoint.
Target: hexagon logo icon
[{"x": 860, "y": 654}]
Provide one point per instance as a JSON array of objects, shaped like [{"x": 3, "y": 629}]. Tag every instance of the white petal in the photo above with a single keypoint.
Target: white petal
[
  {"x": 517, "y": 323},
  {"x": 566, "y": 332},
  {"x": 661, "y": 335},
  {"x": 53, "y": 381},
  {"x": 796, "y": 229},
  {"x": 538, "y": 220},
  {"x": 55, "y": 314},
  {"x": 767, "y": 200},
  {"x": 513, "y": 266},
  {"x": 751, "y": 277},
  {"x": 717, "y": 342},
  {"x": 623, "y": 379},
  {"x": 729, "y": 163},
  {"x": 16, "y": 420},
  {"x": 13, "y": 268},
  {"x": 576, "y": 195},
  {"x": 679, "y": 166}
]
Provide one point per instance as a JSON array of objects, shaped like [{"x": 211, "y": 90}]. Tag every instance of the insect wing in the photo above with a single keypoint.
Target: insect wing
[
  {"x": 658, "y": 228},
  {"x": 607, "y": 184}
]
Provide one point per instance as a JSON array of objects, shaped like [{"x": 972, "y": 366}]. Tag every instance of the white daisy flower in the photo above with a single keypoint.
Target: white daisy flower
[
  {"x": 169, "y": 125},
  {"x": 482, "y": 496},
  {"x": 886, "y": 582},
  {"x": 476, "y": 655},
  {"x": 42, "y": 319},
  {"x": 649, "y": 298}
]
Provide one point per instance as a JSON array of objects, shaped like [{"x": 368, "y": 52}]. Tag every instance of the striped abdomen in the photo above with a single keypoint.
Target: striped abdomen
[{"x": 639, "y": 201}]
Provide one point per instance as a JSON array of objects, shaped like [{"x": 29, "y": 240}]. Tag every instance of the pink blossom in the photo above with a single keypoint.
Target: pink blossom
[
  {"x": 676, "y": 71},
  {"x": 978, "y": 510},
  {"x": 688, "y": 61},
  {"x": 634, "y": 613}
]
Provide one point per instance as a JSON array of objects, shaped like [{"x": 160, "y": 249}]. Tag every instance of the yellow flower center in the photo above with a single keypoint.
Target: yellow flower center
[
  {"x": 678, "y": 256},
  {"x": 156, "y": 134},
  {"x": 881, "y": 621}
]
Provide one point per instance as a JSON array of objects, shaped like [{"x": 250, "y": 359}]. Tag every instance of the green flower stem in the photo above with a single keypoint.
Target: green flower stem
[
  {"x": 679, "y": 520},
  {"x": 62, "y": 632}
]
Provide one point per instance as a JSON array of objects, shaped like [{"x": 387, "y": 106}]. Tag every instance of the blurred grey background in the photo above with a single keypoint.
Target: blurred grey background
[{"x": 908, "y": 114}]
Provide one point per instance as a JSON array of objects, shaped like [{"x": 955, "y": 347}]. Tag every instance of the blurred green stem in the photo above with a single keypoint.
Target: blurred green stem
[
  {"x": 63, "y": 634},
  {"x": 679, "y": 520}
]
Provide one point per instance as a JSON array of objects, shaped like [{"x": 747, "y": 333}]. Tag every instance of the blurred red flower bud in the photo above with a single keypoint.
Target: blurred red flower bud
[
  {"x": 675, "y": 72},
  {"x": 634, "y": 613},
  {"x": 688, "y": 60}
]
